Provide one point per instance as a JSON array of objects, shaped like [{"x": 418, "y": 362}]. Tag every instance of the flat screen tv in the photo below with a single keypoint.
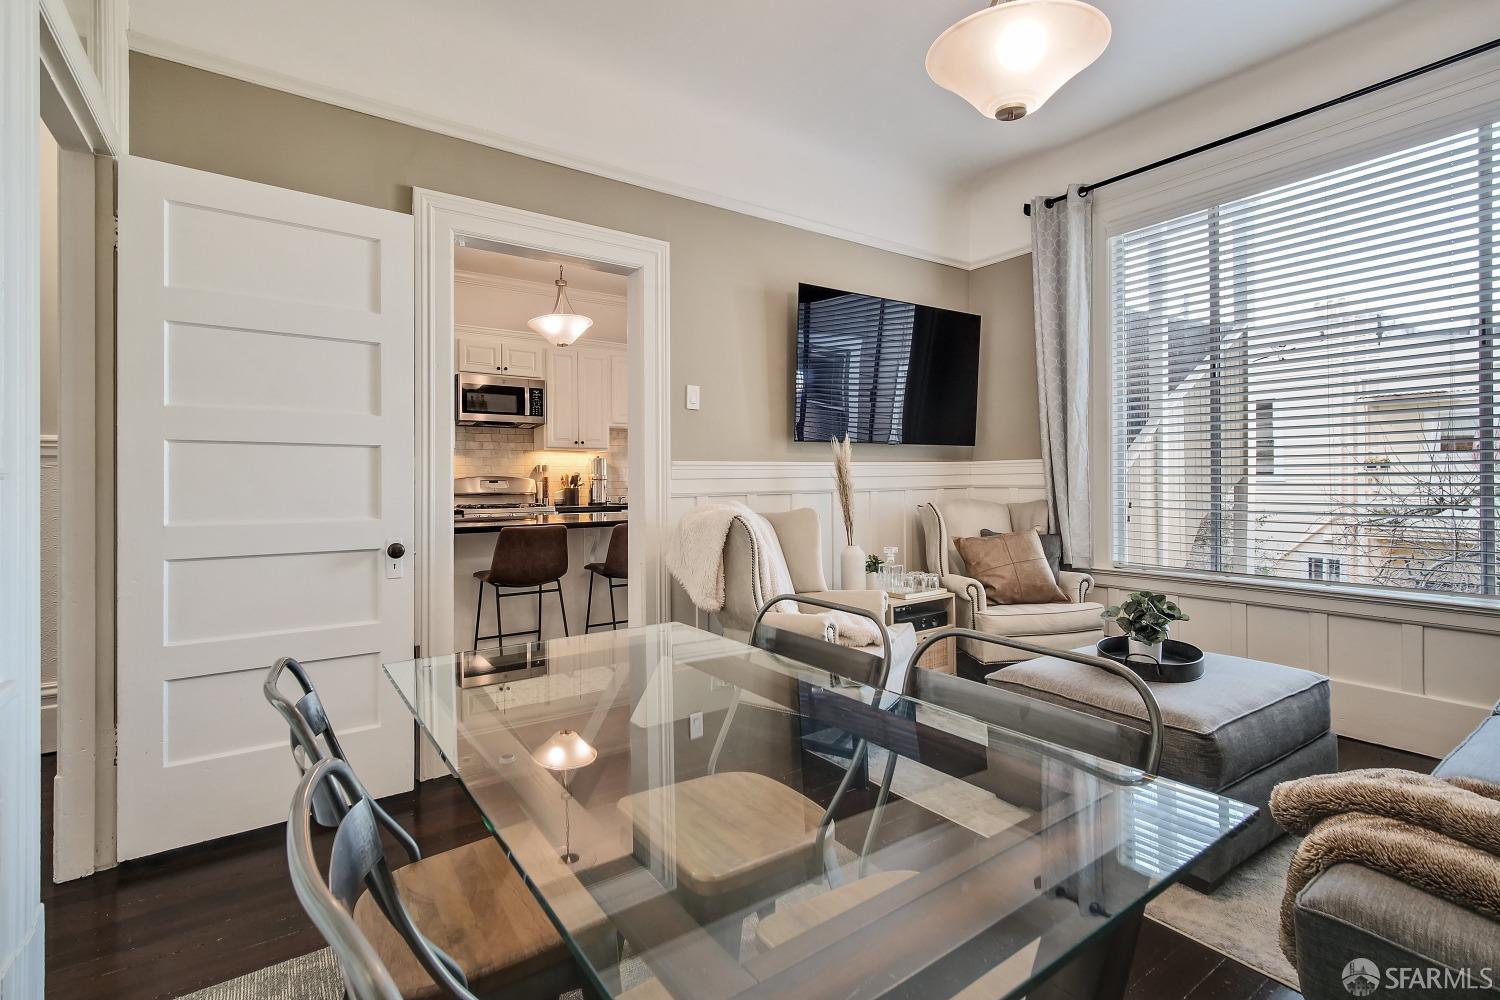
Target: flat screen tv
[{"x": 884, "y": 371}]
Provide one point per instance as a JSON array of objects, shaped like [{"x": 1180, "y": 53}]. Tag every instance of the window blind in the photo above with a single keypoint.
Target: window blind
[{"x": 1304, "y": 379}]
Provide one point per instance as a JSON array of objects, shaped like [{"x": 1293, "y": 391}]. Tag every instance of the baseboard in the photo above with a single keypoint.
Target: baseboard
[{"x": 49, "y": 718}]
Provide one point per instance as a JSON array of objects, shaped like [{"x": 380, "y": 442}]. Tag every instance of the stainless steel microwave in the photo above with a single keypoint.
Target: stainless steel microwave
[{"x": 500, "y": 402}]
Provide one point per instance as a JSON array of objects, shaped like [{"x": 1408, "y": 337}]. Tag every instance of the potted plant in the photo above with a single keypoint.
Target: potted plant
[
  {"x": 872, "y": 571},
  {"x": 1146, "y": 618}
]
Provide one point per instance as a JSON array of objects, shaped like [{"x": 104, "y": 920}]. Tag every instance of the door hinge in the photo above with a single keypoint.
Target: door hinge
[
  {"x": 117, "y": 232},
  {"x": 416, "y": 652}
]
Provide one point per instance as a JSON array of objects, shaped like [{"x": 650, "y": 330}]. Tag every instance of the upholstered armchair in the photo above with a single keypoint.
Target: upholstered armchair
[
  {"x": 1057, "y": 626},
  {"x": 801, "y": 539}
]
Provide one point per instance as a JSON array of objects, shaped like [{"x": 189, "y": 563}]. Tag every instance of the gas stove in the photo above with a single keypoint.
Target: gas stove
[{"x": 480, "y": 499}]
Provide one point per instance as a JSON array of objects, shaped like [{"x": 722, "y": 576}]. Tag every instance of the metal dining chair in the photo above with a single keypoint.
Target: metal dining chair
[
  {"x": 774, "y": 823},
  {"x": 1048, "y": 722},
  {"x": 500, "y": 938},
  {"x": 313, "y": 738},
  {"x": 356, "y": 864}
]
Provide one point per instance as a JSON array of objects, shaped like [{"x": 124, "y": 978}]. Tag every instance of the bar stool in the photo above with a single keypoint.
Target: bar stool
[
  {"x": 615, "y": 567},
  {"x": 530, "y": 557}
]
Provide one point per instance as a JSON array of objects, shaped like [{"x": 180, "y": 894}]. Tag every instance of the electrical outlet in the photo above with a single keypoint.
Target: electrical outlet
[{"x": 695, "y": 726}]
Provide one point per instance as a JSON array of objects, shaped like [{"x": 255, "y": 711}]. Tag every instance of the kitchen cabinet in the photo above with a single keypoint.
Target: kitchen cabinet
[
  {"x": 578, "y": 402},
  {"x": 619, "y": 389},
  {"x": 516, "y": 355}
]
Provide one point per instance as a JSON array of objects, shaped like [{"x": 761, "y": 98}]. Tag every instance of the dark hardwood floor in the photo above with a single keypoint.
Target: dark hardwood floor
[{"x": 174, "y": 923}]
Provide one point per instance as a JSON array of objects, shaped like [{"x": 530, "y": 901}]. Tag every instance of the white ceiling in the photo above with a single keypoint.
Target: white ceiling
[{"x": 813, "y": 112}]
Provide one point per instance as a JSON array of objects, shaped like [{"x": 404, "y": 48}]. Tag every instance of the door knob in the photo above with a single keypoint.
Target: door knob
[{"x": 395, "y": 550}]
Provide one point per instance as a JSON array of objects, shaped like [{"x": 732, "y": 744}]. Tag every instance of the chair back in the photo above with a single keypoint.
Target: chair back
[
  {"x": 1063, "y": 726},
  {"x": 312, "y": 735},
  {"x": 617, "y": 559},
  {"x": 313, "y": 739},
  {"x": 799, "y": 538},
  {"x": 528, "y": 555},
  {"x": 965, "y": 517},
  {"x": 356, "y": 862}
]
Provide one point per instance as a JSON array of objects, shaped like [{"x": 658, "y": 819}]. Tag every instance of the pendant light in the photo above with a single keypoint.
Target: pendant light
[
  {"x": 1008, "y": 59},
  {"x": 562, "y": 325}
]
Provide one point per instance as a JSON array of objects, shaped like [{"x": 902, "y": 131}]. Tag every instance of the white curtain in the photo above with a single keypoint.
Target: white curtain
[{"x": 1060, "y": 259}]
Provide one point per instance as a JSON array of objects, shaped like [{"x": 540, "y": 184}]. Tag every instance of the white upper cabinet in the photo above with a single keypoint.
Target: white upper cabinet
[
  {"x": 524, "y": 358},
  {"x": 619, "y": 389},
  {"x": 518, "y": 355},
  {"x": 579, "y": 399},
  {"x": 593, "y": 399},
  {"x": 561, "y": 428}
]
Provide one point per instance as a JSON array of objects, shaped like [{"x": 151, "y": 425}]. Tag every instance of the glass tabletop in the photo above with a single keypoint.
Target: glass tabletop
[{"x": 702, "y": 818}]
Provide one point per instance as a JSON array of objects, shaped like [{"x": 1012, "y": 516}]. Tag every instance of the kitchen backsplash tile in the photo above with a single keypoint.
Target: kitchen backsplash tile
[{"x": 512, "y": 451}]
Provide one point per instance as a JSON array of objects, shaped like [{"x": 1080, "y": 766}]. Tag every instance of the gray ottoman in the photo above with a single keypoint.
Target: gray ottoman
[{"x": 1238, "y": 730}]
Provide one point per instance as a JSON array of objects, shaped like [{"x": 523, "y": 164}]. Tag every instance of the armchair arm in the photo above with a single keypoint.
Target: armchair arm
[
  {"x": 970, "y": 598},
  {"x": 1075, "y": 585},
  {"x": 812, "y": 626},
  {"x": 872, "y": 601}
]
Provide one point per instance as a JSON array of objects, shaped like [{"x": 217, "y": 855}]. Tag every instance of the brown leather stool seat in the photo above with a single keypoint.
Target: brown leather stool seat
[
  {"x": 615, "y": 567},
  {"x": 528, "y": 556}
]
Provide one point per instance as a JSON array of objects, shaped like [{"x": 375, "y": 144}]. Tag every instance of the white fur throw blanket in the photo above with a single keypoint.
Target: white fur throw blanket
[{"x": 695, "y": 558}]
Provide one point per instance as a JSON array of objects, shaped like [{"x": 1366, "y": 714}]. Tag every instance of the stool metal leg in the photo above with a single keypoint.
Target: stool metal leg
[
  {"x": 500, "y": 630},
  {"x": 560, "y": 607},
  {"x": 478, "y": 611},
  {"x": 613, "y": 615},
  {"x": 588, "y": 609}
]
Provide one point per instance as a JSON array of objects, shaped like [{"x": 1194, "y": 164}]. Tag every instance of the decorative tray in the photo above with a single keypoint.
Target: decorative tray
[{"x": 1180, "y": 661}]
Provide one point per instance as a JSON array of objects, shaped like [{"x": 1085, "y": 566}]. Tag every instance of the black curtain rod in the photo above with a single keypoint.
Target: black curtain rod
[{"x": 1084, "y": 189}]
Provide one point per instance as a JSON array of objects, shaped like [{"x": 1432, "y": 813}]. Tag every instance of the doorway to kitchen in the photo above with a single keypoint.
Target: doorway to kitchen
[
  {"x": 508, "y": 444},
  {"x": 541, "y": 437}
]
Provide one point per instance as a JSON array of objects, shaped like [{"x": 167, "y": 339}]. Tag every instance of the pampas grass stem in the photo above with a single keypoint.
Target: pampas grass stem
[{"x": 843, "y": 477}]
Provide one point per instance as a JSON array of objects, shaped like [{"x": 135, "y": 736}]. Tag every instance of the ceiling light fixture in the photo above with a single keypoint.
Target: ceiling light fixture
[
  {"x": 562, "y": 325},
  {"x": 1008, "y": 59}
]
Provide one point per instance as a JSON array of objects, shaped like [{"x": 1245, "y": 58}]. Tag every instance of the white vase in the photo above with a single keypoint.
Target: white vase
[
  {"x": 851, "y": 567},
  {"x": 1151, "y": 649},
  {"x": 872, "y": 581}
]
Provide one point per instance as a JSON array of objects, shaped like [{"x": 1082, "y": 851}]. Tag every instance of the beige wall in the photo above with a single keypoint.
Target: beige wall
[
  {"x": 1009, "y": 424},
  {"x": 734, "y": 278}
]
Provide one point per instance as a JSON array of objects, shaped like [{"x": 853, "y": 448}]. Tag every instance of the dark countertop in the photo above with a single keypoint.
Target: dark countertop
[{"x": 604, "y": 520}]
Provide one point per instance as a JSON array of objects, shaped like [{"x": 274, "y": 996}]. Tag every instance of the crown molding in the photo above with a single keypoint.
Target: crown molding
[
  {"x": 161, "y": 48},
  {"x": 546, "y": 289}
]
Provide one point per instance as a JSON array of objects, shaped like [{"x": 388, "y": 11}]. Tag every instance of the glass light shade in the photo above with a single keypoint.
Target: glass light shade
[
  {"x": 565, "y": 750},
  {"x": 560, "y": 329},
  {"x": 1007, "y": 60},
  {"x": 562, "y": 325}
]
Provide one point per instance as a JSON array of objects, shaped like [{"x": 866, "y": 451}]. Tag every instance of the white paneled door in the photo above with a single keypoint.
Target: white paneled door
[{"x": 265, "y": 469}]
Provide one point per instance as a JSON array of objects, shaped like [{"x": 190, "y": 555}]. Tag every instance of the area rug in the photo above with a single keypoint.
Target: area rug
[
  {"x": 1242, "y": 917},
  {"x": 306, "y": 977}
]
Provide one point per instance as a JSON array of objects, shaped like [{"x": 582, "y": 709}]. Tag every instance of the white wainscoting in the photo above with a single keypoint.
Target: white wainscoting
[
  {"x": 1405, "y": 674},
  {"x": 1412, "y": 675},
  {"x": 886, "y": 498}
]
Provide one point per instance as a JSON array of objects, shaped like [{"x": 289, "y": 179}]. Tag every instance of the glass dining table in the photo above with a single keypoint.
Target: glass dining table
[{"x": 701, "y": 818}]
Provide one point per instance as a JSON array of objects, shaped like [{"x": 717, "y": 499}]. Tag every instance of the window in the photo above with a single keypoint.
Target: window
[
  {"x": 1313, "y": 368},
  {"x": 1324, "y": 568}
]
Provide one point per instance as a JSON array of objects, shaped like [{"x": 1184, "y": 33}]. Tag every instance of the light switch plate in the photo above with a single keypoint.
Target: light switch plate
[
  {"x": 695, "y": 726},
  {"x": 693, "y": 398}
]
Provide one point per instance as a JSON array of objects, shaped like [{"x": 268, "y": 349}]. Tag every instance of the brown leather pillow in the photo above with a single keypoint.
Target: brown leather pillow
[{"x": 1012, "y": 567}]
